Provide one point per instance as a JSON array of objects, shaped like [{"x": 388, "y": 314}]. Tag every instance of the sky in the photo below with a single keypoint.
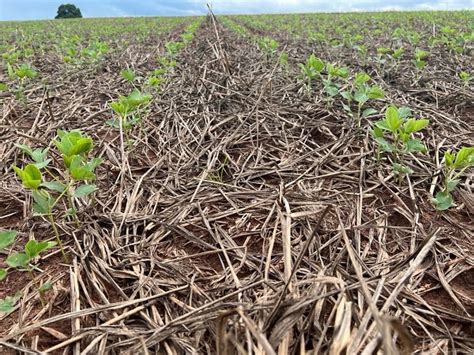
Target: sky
[{"x": 46, "y": 9}]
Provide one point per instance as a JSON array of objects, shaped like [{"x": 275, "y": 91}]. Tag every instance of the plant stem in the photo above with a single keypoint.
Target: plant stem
[
  {"x": 58, "y": 238},
  {"x": 36, "y": 285}
]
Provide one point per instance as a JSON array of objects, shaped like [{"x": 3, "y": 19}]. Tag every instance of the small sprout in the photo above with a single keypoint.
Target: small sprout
[
  {"x": 311, "y": 69},
  {"x": 129, "y": 75},
  {"x": 401, "y": 140},
  {"x": 453, "y": 162},
  {"x": 420, "y": 56},
  {"x": 465, "y": 77},
  {"x": 268, "y": 45},
  {"x": 397, "y": 53},
  {"x": 25, "y": 71}
]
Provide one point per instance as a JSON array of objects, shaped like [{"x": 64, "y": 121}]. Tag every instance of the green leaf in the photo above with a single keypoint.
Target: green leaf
[
  {"x": 18, "y": 260},
  {"x": 34, "y": 248},
  {"x": 404, "y": 112},
  {"x": 45, "y": 287},
  {"x": 361, "y": 78},
  {"x": 413, "y": 125},
  {"x": 384, "y": 144},
  {"x": 7, "y": 237},
  {"x": 43, "y": 202},
  {"x": 30, "y": 176},
  {"x": 377, "y": 132},
  {"x": 361, "y": 97},
  {"x": 82, "y": 173},
  {"x": 8, "y": 303},
  {"x": 94, "y": 163},
  {"x": 368, "y": 111},
  {"x": 415, "y": 145},
  {"x": 443, "y": 201},
  {"x": 26, "y": 149},
  {"x": 452, "y": 184},
  {"x": 375, "y": 93},
  {"x": 347, "y": 95},
  {"x": 464, "y": 157},
  {"x": 3, "y": 274},
  {"x": 43, "y": 164},
  {"x": 392, "y": 119},
  {"x": 113, "y": 123},
  {"x": 84, "y": 190},
  {"x": 54, "y": 185},
  {"x": 401, "y": 169},
  {"x": 39, "y": 155},
  {"x": 449, "y": 158}
]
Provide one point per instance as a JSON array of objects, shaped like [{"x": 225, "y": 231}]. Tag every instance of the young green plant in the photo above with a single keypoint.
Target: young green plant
[
  {"x": 454, "y": 166},
  {"x": 395, "y": 135}
]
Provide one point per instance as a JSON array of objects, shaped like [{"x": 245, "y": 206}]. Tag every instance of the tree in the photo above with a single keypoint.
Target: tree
[{"x": 68, "y": 11}]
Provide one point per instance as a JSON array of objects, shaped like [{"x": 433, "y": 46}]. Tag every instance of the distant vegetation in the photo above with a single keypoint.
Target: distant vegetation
[{"x": 68, "y": 11}]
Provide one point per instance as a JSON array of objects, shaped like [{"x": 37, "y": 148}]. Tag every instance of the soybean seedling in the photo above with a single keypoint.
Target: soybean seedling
[
  {"x": 311, "y": 70},
  {"x": 129, "y": 109},
  {"x": 331, "y": 86},
  {"x": 22, "y": 74},
  {"x": 72, "y": 183},
  {"x": 400, "y": 140},
  {"x": 129, "y": 75},
  {"x": 361, "y": 92},
  {"x": 268, "y": 46},
  {"x": 420, "y": 56},
  {"x": 454, "y": 166},
  {"x": 21, "y": 260},
  {"x": 465, "y": 77}
]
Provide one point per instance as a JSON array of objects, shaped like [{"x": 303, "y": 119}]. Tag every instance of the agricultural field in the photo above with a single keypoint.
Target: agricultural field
[{"x": 271, "y": 184}]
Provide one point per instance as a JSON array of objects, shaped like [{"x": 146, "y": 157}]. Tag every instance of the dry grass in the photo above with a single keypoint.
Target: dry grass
[{"x": 248, "y": 218}]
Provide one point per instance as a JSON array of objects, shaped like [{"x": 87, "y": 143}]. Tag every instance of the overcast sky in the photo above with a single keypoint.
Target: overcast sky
[{"x": 44, "y": 9}]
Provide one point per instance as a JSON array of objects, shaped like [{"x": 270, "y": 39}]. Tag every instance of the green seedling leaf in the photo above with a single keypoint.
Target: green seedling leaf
[
  {"x": 43, "y": 202},
  {"x": 415, "y": 145},
  {"x": 315, "y": 63},
  {"x": 347, "y": 95},
  {"x": 368, "y": 112},
  {"x": 413, "y": 125},
  {"x": 384, "y": 144},
  {"x": 82, "y": 173},
  {"x": 449, "y": 159},
  {"x": 375, "y": 93},
  {"x": 361, "y": 78},
  {"x": 404, "y": 112},
  {"x": 54, "y": 186},
  {"x": 128, "y": 74},
  {"x": 8, "y": 303},
  {"x": 45, "y": 287},
  {"x": 18, "y": 260},
  {"x": 7, "y": 237},
  {"x": 84, "y": 190},
  {"x": 377, "y": 132},
  {"x": 361, "y": 96},
  {"x": 30, "y": 176},
  {"x": 34, "y": 248},
  {"x": 70, "y": 212},
  {"x": 26, "y": 149},
  {"x": 392, "y": 119},
  {"x": 3, "y": 274},
  {"x": 443, "y": 201},
  {"x": 113, "y": 123},
  {"x": 464, "y": 158},
  {"x": 401, "y": 169},
  {"x": 452, "y": 184}
]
